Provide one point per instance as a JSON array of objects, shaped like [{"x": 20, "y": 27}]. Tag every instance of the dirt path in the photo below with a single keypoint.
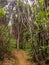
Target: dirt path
[{"x": 22, "y": 58}]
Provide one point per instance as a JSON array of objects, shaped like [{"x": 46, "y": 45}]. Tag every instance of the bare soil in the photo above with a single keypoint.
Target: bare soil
[{"x": 20, "y": 58}]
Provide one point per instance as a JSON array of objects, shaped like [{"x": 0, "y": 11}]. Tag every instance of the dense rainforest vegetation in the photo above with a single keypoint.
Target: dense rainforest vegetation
[{"x": 24, "y": 24}]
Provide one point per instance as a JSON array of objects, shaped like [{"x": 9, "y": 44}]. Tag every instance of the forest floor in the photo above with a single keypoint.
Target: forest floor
[{"x": 20, "y": 58}]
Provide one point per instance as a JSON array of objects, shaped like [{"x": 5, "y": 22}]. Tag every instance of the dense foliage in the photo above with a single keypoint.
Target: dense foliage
[{"x": 28, "y": 30}]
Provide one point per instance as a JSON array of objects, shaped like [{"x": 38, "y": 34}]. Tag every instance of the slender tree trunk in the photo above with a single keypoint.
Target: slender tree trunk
[{"x": 18, "y": 38}]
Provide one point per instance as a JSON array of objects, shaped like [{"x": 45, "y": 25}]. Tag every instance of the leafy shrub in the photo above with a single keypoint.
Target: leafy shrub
[
  {"x": 12, "y": 44},
  {"x": 7, "y": 44},
  {"x": 48, "y": 49},
  {"x": 2, "y": 12},
  {"x": 29, "y": 47},
  {"x": 26, "y": 35}
]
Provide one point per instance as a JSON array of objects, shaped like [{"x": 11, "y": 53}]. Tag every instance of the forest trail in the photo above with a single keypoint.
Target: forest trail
[{"x": 22, "y": 58}]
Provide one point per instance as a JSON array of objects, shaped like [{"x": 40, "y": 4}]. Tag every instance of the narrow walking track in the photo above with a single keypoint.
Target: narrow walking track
[{"x": 22, "y": 58}]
